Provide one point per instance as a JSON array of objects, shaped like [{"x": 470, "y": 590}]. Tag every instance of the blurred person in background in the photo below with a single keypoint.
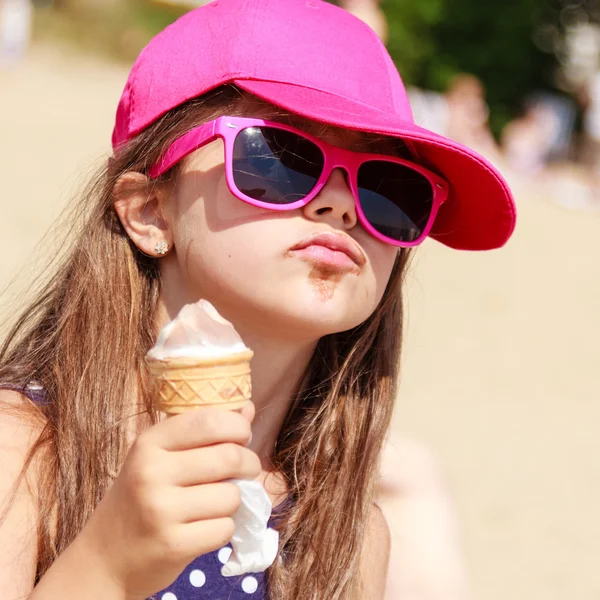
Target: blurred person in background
[
  {"x": 468, "y": 116},
  {"x": 427, "y": 560},
  {"x": 370, "y": 12},
  {"x": 574, "y": 181},
  {"x": 540, "y": 147},
  {"x": 591, "y": 130},
  {"x": 15, "y": 30},
  {"x": 461, "y": 113},
  {"x": 541, "y": 136},
  {"x": 527, "y": 140}
]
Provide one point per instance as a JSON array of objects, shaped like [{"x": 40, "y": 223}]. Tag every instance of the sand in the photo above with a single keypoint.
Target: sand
[{"x": 501, "y": 370}]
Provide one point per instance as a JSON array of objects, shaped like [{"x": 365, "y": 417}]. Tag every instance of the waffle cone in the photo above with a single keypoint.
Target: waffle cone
[{"x": 185, "y": 384}]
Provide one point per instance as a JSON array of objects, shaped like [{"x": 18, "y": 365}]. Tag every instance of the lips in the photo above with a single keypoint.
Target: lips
[{"x": 326, "y": 246}]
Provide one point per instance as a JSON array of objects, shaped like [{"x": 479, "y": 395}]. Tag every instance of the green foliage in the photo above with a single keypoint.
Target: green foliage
[
  {"x": 153, "y": 17},
  {"x": 431, "y": 41},
  {"x": 410, "y": 41}
]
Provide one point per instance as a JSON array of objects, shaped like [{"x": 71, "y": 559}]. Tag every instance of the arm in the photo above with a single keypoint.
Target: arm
[
  {"x": 77, "y": 574},
  {"x": 18, "y": 531},
  {"x": 134, "y": 543},
  {"x": 171, "y": 502},
  {"x": 375, "y": 556}
]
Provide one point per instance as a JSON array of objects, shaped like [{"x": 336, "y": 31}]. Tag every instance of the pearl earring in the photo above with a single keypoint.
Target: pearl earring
[{"x": 161, "y": 248}]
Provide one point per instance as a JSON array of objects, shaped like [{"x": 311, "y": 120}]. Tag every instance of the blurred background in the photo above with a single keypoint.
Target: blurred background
[{"x": 501, "y": 369}]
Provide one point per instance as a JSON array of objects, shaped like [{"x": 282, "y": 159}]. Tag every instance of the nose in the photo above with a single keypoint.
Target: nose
[{"x": 334, "y": 203}]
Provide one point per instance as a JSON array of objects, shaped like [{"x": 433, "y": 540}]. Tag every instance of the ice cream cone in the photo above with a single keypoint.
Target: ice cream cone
[{"x": 187, "y": 383}]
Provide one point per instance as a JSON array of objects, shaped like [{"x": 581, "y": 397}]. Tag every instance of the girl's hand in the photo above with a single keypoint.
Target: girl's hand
[{"x": 171, "y": 502}]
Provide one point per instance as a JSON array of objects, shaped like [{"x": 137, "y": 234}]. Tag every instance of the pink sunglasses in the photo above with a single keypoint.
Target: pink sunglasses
[{"x": 278, "y": 167}]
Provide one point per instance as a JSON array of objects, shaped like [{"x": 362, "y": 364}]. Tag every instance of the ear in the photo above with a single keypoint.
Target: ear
[{"x": 139, "y": 204}]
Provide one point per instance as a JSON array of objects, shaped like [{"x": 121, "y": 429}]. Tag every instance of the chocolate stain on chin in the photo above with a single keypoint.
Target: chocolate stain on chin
[{"x": 324, "y": 281}]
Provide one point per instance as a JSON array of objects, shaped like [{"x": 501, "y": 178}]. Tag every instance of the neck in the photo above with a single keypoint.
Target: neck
[{"x": 277, "y": 370}]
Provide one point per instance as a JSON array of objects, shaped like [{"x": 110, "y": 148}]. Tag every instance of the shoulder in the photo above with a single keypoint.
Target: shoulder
[
  {"x": 20, "y": 427},
  {"x": 20, "y": 420},
  {"x": 378, "y": 531},
  {"x": 408, "y": 468},
  {"x": 375, "y": 555},
  {"x": 426, "y": 551}
]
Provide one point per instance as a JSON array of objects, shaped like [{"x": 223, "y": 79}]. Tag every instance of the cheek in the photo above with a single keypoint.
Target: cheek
[
  {"x": 203, "y": 208},
  {"x": 201, "y": 203},
  {"x": 221, "y": 241}
]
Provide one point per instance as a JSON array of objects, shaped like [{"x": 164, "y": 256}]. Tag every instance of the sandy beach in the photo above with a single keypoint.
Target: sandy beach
[{"x": 501, "y": 365}]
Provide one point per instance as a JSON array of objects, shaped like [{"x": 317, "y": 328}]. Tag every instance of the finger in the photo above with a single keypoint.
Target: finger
[
  {"x": 210, "y": 501},
  {"x": 198, "y": 428},
  {"x": 212, "y": 464},
  {"x": 202, "y": 537}
]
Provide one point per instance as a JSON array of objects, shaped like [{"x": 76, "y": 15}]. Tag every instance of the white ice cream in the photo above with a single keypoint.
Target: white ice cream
[{"x": 198, "y": 331}]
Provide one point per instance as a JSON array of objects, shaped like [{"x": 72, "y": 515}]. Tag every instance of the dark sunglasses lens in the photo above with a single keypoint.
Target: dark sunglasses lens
[
  {"x": 275, "y": 166},
  {"x": 396, "y": 199}
]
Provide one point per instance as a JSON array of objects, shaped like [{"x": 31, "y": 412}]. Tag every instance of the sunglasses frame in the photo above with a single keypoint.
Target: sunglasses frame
[{"x": 227, "y": 128}]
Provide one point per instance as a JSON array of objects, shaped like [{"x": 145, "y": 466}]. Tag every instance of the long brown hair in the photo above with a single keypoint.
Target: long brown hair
[{"x": 95, "y": 386}]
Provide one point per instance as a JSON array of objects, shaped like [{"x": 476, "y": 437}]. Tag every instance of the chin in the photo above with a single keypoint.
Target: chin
[
  {"x": 297, "y": 312},
  {"x": 316, "y": 319}
]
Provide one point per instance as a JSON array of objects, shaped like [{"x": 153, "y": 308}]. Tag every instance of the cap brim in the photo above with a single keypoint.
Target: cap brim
[{"x": 480, "y": 211}]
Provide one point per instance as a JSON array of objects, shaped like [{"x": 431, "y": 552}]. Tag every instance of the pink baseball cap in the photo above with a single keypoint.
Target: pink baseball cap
[{"x": 316, "y": 60}]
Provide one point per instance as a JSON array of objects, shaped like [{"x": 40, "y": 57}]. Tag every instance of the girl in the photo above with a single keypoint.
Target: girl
[{"x": 265, "y": 158}]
